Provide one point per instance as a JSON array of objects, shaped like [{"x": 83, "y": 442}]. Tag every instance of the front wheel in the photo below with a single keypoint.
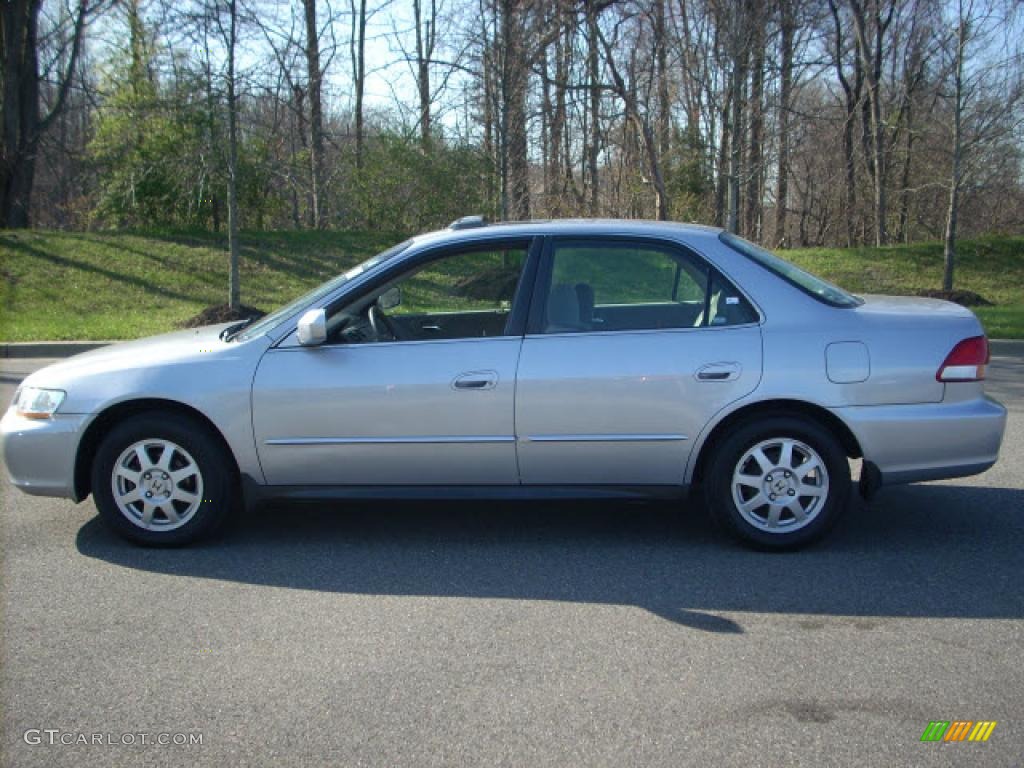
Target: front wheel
[
  {"x": 162, "y": 481},
  {"x": 778, "y": 483}
]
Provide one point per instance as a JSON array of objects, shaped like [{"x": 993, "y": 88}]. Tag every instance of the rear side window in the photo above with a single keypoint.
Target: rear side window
[
  {"x": 812, "y": 285},
  {"x": 626, "y": 286}
]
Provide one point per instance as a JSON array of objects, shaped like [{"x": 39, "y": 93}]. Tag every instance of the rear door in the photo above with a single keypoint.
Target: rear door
[{"x": 632, "y": 346}]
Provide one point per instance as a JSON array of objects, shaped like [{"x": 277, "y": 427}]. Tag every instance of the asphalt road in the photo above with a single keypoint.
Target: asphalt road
[{"x": 521, "y": 634}]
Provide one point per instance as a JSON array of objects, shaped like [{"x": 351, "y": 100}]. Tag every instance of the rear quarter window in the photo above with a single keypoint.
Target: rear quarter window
[{"x": 812, "y": 285}]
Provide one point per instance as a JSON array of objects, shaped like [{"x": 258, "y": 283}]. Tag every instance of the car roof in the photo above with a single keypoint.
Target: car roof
[{"x": 668, "y": 229}]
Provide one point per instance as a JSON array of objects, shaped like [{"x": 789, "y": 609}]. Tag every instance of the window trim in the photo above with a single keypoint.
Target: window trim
[{"x": 545, "y": 269}]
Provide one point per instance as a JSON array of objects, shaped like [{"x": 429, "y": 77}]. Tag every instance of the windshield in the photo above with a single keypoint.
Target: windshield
[
  {"x": 814, "y": 286},
  {"x": 267, "y": 322}
]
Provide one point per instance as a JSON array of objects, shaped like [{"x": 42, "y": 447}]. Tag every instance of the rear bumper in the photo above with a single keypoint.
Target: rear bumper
[
  {"x": 40, "y": 454},
  {"x": 928, "y": 441}
]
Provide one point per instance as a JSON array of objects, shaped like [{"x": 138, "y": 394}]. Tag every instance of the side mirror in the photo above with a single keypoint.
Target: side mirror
[
  {"x": 391, "y": 298},
  {"x": 312, "y": 328}
]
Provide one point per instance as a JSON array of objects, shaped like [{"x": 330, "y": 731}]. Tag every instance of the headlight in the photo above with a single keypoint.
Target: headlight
[{"x": 36, "y": 403}]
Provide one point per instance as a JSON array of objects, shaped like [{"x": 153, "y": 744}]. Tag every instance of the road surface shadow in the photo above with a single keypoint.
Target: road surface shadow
[{"x": 916, "y": 551}]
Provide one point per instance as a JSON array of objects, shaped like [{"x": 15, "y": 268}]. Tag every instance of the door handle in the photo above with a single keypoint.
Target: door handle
[
  {"x": 476, "y": 380},
  {"x": 719, "y": 372}
]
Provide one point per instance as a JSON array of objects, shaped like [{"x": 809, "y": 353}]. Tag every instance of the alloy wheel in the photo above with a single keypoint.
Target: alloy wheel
[
  {"x": 157, "y": 484},
  {"x": 780, "y": 485}
]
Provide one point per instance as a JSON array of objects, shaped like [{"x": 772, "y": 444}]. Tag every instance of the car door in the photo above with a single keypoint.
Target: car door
[
  {"x": 415, "y": 384},
  {"x": 632, "y": 346}
]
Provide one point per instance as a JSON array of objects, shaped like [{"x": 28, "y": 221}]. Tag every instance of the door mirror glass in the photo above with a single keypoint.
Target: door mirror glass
[
  {"x": 312, "y": 328},
  {"x": 391, "y": 298}
]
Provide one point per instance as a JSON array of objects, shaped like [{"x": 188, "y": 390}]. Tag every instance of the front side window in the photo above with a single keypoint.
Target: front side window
[
  {"x": 463, "y": 295},
  {"x": 610, "y": 286},
  {"x": 268, "y": 322}
]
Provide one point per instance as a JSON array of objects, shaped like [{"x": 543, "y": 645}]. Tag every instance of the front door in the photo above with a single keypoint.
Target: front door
[
  {"x": 415, "y": 385},
  {"x": 633, "y": 346}
]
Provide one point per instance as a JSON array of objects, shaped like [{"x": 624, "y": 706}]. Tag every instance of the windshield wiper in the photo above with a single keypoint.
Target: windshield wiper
[{"x": 231, "y": 330}]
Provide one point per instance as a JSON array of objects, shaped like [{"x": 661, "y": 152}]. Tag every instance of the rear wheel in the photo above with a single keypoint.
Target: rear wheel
[
  {"x": 162, "y": 481},
  {"x": 780, "y": 482}
]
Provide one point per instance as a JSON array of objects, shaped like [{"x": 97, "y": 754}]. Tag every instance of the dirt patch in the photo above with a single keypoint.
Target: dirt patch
[
  {"x": 222, "y": 313},
  {"x": 963, "y": 298}
]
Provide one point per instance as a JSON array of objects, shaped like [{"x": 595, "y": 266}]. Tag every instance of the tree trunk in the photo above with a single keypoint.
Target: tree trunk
[
  {"x": 739, "y": 76},
  {"x": 871, "y": 53},
  {"x": 752, "y": 207},
  {"x": 787, "y": 30},
  {"x": 22, "y": 125},
  {"x": 851, "y": 96},
  {"x": 316, "y": 119},
  {"x": 357, "y": 49},
  {"x": 426, "y": 36},
  {"x": 515, "y": 74},
  {"x": 661, "y": 59},
  {"x": 546, "y": 108},
  {"x": 594, "y": 75},
  {"x": 955, "y": 180},
  {"x": 903, "y": 233},
  {"x": 559, "y": 180},
  {"x": 234, "y": 290},
  {"x": 722, "y": 178},
  {"x": 489, "y": 98}
]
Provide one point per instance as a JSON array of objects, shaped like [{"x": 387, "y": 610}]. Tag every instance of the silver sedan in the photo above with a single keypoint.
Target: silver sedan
[{"x": 543, "y": 359}]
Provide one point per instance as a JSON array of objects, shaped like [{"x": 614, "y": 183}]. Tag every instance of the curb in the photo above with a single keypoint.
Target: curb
[
  {"x": 1006, "y": 346},
  {"x": 49, "y": 348},
  {"x": 58, "y": 349}
]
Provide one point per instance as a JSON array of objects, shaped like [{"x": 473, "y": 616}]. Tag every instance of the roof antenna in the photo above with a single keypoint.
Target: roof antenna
[{"x": 469, "y": 222}]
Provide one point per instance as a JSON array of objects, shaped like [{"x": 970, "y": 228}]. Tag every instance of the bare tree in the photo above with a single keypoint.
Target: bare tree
[
  {"x": 224, "y": 18},
  {"x": 985, "y": 101},
  {"x": 641, "y": 119},
  {"x": 871, "y": 20}
]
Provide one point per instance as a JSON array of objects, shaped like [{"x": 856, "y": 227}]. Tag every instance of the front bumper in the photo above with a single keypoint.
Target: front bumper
[
  {"x": 928, "y": 441},
  {"x": 40, "y": 453}
]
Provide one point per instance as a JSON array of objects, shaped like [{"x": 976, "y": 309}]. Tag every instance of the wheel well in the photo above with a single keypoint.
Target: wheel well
[
  {"x": 115, "y": 414},
  {"x": 764, "y": 408}
]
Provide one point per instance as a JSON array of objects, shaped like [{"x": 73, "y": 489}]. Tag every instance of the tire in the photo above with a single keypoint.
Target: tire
[
  {"x": 190, "y": 491},
  {"x": 804, "y": 497}
]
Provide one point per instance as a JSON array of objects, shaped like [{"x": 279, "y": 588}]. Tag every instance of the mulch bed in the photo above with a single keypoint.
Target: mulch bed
[
  {"x": 963, "y": 298},
  {"x": 222, "y": 313}
]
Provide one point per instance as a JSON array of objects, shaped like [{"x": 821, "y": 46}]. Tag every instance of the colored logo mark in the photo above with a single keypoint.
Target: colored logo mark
[{"x": 958, "y": 730}]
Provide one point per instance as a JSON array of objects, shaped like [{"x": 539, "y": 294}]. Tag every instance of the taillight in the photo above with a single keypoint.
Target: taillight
[{"x": 966, "y": 362}]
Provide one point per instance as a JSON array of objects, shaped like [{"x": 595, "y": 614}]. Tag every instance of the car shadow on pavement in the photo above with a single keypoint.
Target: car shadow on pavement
[{"x": 916, "y": 551}]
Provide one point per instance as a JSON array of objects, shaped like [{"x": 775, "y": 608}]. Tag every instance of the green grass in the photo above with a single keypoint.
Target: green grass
[
  {"x": 117, "y": 285},
  {"x": 56, "y": 285}
]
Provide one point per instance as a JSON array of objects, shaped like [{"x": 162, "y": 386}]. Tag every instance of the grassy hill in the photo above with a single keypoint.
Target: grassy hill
[{"x": 58, "y": 285}]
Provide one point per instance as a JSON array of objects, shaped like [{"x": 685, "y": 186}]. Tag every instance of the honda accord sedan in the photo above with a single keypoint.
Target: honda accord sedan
[{"x": 535, "y": 360}]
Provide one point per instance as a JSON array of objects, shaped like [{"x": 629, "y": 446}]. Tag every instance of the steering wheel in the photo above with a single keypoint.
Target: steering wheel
[{"x": 382, "y": 326}]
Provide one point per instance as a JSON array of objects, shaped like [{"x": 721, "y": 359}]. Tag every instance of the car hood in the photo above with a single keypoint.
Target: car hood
[{"x": 173, "y": 348}]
